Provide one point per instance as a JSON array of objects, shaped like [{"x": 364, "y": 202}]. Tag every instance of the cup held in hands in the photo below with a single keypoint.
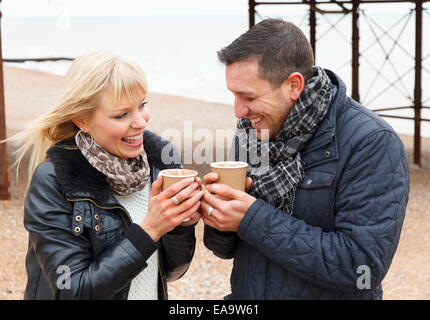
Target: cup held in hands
[
  {"x": 171, "y": 176},
  {"x": 231, "y": 173}
]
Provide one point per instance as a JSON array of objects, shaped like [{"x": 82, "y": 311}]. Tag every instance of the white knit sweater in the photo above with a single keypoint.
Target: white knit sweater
[{"x": 144, "y": 285}]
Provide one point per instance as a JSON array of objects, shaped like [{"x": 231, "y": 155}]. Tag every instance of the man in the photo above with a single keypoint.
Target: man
[{"x": 323, "y": 221}]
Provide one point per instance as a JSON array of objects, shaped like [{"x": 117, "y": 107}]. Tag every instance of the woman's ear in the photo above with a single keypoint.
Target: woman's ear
[
  {"x": 295, "y": 84},
  {"x": 81, "y": 123}
]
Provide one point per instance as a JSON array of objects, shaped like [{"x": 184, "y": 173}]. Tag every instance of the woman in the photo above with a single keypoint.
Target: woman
[{"x": 97, "y": 229}]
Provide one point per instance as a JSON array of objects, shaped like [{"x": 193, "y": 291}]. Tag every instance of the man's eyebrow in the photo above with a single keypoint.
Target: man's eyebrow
[{"x": 246, "y": 93}]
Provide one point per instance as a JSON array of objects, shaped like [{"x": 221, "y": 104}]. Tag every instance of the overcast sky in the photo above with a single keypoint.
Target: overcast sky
[
  {"x": 32, "y": 8},
  {"x": 55, "y": 8}
]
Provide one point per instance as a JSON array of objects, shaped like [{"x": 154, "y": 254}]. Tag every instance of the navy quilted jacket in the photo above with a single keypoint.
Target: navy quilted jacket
[{"x": 349, "y": 210}]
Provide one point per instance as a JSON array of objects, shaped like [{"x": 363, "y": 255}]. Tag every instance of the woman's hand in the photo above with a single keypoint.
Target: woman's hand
[
  {"x": 163, "y": 214},
  {"x": 196, "y": 216}
]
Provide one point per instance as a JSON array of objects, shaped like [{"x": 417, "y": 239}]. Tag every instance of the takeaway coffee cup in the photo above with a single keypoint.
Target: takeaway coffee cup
[
  {"x": 231, "y": 173},
  {"x": 171, "y": 176}
]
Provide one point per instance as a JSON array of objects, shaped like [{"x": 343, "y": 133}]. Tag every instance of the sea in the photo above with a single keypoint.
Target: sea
[{"x": 179, "y": 53}]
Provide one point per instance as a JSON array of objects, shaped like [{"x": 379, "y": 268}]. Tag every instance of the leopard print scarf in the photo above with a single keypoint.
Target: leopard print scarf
[{"x": 125, "y": 176}]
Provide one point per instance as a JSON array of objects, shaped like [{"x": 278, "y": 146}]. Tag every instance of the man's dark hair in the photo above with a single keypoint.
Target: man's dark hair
[{"x": 279, "y": 47}]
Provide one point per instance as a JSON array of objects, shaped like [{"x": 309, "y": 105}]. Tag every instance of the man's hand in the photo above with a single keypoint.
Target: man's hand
[{"x": 229, "y": 205}]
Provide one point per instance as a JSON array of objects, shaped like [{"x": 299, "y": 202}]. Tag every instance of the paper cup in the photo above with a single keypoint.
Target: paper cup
[
  {"x": 231, "y": 173},
  {"x": 171, "y": 176}
]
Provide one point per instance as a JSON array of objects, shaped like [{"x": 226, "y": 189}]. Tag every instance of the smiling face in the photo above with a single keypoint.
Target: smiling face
[
  {"x": 255, "y": 99},
  {"x": 118, "y": 128}
]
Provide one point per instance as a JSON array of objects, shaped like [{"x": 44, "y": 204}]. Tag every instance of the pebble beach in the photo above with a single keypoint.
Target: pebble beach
[{"x": 29, "y": 93}]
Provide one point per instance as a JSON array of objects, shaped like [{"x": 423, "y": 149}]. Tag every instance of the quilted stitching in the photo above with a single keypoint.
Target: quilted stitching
[{"x": 355, "y": 220}]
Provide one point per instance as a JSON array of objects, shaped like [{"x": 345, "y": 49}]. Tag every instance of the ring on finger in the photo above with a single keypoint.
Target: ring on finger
[
  {"x": 209, "y": 211},
  {"x": 175, "y": 200}
]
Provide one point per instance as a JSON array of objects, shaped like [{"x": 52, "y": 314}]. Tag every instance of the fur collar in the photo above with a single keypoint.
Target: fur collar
[{"x": 78, "y": 179}]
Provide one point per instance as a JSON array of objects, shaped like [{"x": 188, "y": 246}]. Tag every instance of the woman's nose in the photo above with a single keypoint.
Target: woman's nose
[
  {"x": 240, "y": 108},
  {"x": 139, "y": 122}
]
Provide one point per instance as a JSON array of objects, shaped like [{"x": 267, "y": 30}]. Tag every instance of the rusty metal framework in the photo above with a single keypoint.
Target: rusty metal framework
[
  {"x": 352, "y": 8},
  {"x": 315, "y": 9}
]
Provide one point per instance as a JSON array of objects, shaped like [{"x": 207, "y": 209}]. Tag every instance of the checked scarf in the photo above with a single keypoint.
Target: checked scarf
[{"x": 277, "y": 183}]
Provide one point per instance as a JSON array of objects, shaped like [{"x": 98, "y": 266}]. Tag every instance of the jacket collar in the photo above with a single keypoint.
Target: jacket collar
[
  {"x": 79, "y": 180},
  {"x": 322, "y": 147}
]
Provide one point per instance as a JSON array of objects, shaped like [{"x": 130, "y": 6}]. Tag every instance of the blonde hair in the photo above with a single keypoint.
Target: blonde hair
[{"x": 87, "y": 77}]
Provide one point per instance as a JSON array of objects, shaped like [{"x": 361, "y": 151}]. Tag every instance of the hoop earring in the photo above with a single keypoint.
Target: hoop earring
[{"x": 84, "y": 140}]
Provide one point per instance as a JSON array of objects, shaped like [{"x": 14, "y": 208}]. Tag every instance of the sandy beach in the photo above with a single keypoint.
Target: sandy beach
[{"x": 30, "y": 93}]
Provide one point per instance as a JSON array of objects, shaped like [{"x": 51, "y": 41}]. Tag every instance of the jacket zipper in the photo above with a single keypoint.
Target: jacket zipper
[
  {"x": 101, "y": 207},
  {"x": 131, "y": 221}
]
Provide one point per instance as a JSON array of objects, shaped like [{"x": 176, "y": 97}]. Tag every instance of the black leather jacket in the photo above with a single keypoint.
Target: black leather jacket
[{"x": 82, "y": 242}]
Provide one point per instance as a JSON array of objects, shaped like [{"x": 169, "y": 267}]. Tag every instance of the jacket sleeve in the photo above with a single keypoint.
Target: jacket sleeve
[
  {"x": 47, "y": 217},
  {"x": 369, "y": 207},
  {"x": 222, "y": 243},
  {"x": 177, "y": 248}
]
